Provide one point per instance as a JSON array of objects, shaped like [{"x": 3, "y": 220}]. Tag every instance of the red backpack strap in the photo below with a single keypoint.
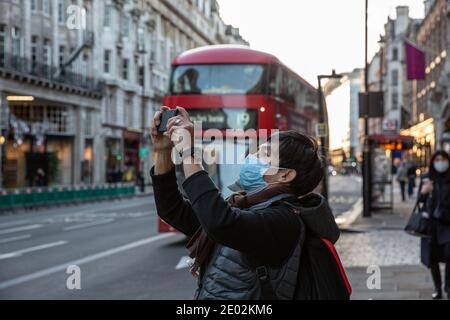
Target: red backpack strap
[{"x": 338, "y": 261}]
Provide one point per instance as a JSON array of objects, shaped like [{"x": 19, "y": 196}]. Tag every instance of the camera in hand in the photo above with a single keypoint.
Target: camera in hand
[{"x": 166, "y": 115}]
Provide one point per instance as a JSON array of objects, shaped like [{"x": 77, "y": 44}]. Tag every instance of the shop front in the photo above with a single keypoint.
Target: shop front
[
  {"x": 113, "y": 147},
  {"x": 38, "y": 146},
  {"x": 424, "y": 143},
  {"x": 132, "y": 167}
]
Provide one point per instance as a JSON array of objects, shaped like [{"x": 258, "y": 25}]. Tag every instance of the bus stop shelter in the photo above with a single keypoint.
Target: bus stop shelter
[{"x": 382, "y": 148}]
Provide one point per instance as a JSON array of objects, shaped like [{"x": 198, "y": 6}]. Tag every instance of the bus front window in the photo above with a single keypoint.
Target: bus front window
[{"x": 219, "y": 79}]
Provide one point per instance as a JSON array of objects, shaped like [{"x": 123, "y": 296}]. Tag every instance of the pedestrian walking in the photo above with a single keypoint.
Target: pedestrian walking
[
  {"x": 412, "y": 168},
  {"x": 402, "y": 178},
  {"x": 248, "y": 246},
  {"x": 435, "y": 194}
]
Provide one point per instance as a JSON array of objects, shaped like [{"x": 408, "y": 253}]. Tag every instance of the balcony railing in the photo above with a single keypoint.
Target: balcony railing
[{"x": 28, "y": 67}]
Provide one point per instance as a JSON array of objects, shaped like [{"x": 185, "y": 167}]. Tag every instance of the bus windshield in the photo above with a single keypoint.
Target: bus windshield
[{"x": 219, "y": 79}]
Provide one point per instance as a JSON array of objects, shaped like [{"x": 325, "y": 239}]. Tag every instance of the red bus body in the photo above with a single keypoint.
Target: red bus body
[{"x": 284, "y": 100}]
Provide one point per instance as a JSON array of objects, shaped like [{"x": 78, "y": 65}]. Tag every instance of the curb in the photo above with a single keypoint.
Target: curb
[
  {"x": 20, "y": 209},
  {"x": 349, "y": 217}
]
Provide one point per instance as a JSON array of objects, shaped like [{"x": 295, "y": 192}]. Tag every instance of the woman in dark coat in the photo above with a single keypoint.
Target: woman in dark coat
[{"x": 436, "y": 196}]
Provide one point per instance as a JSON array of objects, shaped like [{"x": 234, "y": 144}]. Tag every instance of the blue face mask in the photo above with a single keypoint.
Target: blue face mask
[{"x": 252, "y": 173}]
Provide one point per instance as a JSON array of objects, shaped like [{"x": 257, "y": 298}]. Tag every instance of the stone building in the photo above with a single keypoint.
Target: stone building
[{"x": 430, "y": 116}]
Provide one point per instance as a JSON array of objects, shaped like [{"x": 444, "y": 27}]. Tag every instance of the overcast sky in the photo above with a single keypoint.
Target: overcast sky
[{"x": 313, "y": 36}]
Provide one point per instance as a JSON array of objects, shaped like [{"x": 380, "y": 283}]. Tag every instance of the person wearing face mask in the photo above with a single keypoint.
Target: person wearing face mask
[
  {"x": 248, "y": 246},
  {"x": 436, "y": 196}
]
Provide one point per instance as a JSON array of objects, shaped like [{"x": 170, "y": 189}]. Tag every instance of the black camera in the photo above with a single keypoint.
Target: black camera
[{"x": 166, "y": 115}]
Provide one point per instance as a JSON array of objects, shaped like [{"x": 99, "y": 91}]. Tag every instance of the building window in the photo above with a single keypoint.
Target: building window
[
  {"x": 34, "y": 5},
  {"x": 58, "y": 118},
  {"x": 162, "y": 57},
  {"x": 47, "y": 56},
  {"x": 71, "y": 66},
  {"x": 16, "y": 42},
  {"x": 2, "y": 45},
  {"x": 47, "y": 53},
  {"x": 85, "y": 66},
  {"x": 394, "y": 100},
  {"x": 61, "y": 11},
  {"x": 111, "y": 108},
  {"x": 34, "y": 53},
  {"x": 88, "y": 124},
  {"x": 107, "y": 15},
  {"x": 141, "y": 40},
  {"x": 46, "y": 7},
  {"x": 141, "y": 75},
  {"x": 62, "y": 55},
  {"x": 106, "y": 61},
  {"x": 395, "y": 54},
  {"x": 129, "y": 112},
  {"x": 394, "y": 75},
  {"x": 125, "y": 66},
  {"x": 126, "y": 27}
]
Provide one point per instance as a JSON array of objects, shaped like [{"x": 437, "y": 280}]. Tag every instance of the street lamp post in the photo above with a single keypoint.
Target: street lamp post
[
  {"x": 366, "y": 150},
  {"x": 142, "y": 52},
  {"x": 324, "y": 120}
]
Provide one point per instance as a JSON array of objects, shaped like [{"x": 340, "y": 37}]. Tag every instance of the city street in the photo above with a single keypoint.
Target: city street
[{"x": 115, "y": 244}]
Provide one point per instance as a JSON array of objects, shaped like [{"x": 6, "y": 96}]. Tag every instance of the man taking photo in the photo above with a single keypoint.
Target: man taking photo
[{"x": 266, "y": 241}]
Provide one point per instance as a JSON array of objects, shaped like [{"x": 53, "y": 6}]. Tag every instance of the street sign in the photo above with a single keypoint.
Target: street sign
[
  {"x": 375, "y": 101},
  {"x": 321, "y": 130},
  {"x": 389, "y": 126}
]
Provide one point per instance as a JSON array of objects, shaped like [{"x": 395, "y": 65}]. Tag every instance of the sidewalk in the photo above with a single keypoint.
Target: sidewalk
[{"x": 380, "y": 241}]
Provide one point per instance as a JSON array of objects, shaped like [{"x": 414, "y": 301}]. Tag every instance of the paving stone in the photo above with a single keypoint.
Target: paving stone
[{"x": 383, "y": 243}]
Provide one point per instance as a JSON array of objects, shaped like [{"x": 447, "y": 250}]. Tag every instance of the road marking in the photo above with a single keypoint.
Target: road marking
[
  {"x": 87, "y": 259},
  {"x": 88, "y": 224},
  {"x": 30, "y": 227},
  {"x": 185, "y": 262},
  {"x": 13, "y": 223},
  {"x": 6, "y": 240},
  {"x": 36, "y": 248},
  {"x": 347, "y": 218}
]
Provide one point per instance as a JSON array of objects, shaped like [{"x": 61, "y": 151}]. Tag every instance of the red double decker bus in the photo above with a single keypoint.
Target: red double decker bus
[{"x": 238, "y": 88}]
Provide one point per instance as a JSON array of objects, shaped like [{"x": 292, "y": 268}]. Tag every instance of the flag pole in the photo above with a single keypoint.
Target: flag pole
[{"x": 414, "y": 87}]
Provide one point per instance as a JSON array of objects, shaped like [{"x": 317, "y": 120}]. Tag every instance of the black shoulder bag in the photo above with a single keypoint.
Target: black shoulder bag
[{"x": 419, "y": 223}]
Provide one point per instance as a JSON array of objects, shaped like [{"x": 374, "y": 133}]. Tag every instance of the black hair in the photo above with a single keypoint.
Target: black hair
[
  {"x": 300, "y": 152},
  {"x": 432, "y": 171}
]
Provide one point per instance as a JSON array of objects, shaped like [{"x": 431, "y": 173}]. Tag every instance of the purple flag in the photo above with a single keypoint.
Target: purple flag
[{"x": 415, "y": 62}]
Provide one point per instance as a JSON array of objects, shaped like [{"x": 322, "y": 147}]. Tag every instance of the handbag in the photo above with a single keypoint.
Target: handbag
[
  {"x": 419, "y": 223},
  {"x": 441, "y": 213}
]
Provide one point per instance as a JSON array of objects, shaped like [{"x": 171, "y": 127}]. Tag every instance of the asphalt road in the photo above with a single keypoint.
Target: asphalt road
[
  {"x": 116, "y": 246},
  {"x": 345, "y": 191}
]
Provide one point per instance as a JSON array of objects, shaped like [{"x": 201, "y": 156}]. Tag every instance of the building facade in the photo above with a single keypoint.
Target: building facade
[
  {"x": 343, "y": 106},
  {"x": 80, "y": 80},
  {"x": 430, "y": 111},
  {"x": 393, "y": 62}
]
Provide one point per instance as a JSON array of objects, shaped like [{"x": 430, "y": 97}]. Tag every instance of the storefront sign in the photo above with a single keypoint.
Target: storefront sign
[{"x": 389, "y": 126}]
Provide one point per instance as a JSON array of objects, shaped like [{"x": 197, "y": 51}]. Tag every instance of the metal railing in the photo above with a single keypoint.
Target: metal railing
[
  {"x": 29, "y": 67},
  {"x": 33, "y": 197}
]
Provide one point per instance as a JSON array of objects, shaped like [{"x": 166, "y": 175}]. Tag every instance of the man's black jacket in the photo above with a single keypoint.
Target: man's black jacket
[{"x": 268, "y": 237}]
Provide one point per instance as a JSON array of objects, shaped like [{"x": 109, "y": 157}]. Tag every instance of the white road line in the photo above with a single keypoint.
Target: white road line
[
  {"x": 185, "y": 262},
  {"x": 13, "y": 223},
  {"x": 87, "y": 225},
  {"x": 36, "y": 248},
  {"x": 30, "y": 227},
  {"x": 87, "y": 259},
  {"x": 7, "y": 240}
]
